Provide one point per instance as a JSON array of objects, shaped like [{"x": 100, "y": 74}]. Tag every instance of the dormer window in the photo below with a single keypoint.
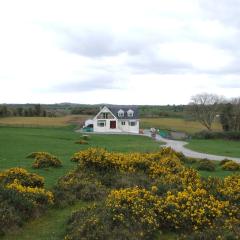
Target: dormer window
[
  {"x": 130, "y": 113},
  {"x": 120, "y": 113}
]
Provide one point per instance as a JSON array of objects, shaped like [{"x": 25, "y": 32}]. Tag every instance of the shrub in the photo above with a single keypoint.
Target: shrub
[
  {"x": 78, "y": 185},
  {"x": 231, "y": 166},
  {"x": 224, "y": 161},
  {"x": 81, "y": 142},
  {"x": 44, "y": 160},
  {"x": 86, "y": 137},
  {"x": 217, "y": 135},
  {"x": 22, "y": 197},
  {"x": 8, "y": 217},
  {"x": 189, "y": 210},
  {"x": 23, "y": 176},
  {"x": 136, "y": 207},
  {"x": 206, "y": 165}
]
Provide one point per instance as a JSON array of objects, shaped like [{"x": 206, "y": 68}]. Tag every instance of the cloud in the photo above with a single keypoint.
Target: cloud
[{"x": 91, "y": 84}]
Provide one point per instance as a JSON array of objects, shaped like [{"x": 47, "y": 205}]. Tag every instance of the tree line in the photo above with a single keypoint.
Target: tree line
[
  {"x": 206, "y": 107},
  {"x": 35, "y": 111}
]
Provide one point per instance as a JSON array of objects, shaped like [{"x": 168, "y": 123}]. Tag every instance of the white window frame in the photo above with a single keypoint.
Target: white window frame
[
  {"x": 123, "y": 123},
  {"x": 130, "y": 113},
  {"x": 132, "y": 122},
  {"x": 100, "y": 122},
  {"x": 121, "y": 113}
]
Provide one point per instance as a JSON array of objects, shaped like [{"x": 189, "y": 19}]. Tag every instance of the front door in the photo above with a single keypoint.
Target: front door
[{"x": 112, "y": 124}]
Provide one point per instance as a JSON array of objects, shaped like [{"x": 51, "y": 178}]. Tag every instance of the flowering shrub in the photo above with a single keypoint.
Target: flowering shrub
[
  {"x": 101, "y": 160},
  {"x": 231, "y": 166},
  {"x": 134, "y": 206},
  {"x": 224, "y": 161},
  {"x": 148, "y": 193},
  {"x": 23, "y": 176},
  {"x": 81, "y": 142},
  {"x": 44, "y": 160},
  {"x": 38, "y": 196},
  {"x": 22, "y": 196},
  {"x": 77, "y": 185},
  {"x": 190, "y": 209},
  {"x": 206, "y": 165}
]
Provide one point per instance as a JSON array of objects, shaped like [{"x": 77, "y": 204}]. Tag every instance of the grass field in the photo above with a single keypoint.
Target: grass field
[
  {"x": 17, "y": 142},
  {"x": 175, "y": 124},
  {"x": 216, "y": 146},
  {"x": 44, "y": 121}
]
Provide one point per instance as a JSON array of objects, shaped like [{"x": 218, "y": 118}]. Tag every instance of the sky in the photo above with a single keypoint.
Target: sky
[{"x": 118, "y": 51}]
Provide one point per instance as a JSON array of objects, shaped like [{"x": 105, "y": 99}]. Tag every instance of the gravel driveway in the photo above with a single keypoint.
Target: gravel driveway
[{"x": 179, "y": 146}]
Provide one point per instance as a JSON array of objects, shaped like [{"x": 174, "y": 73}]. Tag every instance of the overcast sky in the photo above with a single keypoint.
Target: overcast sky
[{"x": 118, "y": 51}]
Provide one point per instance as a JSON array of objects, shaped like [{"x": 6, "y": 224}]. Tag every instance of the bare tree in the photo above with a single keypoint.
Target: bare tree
[
  {"x": 204, "y": 107},
  {"x": 236, "y": 114}
]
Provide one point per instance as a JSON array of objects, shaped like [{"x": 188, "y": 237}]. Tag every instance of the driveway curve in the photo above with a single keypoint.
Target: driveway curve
[{"x": 179, "y": 146}]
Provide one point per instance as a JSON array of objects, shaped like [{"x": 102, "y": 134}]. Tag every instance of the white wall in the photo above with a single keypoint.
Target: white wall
[{"x": 127, "y": 127}]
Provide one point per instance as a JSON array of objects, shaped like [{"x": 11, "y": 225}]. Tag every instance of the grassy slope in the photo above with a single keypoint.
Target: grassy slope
[
  {"x": 175, "y": 124},
  {"x": 16, "y": 143},
  {"x": 216, "y": 146}
]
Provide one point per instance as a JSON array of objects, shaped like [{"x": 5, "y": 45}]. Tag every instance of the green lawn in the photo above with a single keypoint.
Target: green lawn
[
  {"x": 216, "y": 146},
  {"x": 51, "y": 226},
  {"x": 17, "y": 142}
]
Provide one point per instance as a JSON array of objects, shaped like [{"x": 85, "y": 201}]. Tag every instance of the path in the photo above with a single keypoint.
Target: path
[{"x": 179, "y": 146}]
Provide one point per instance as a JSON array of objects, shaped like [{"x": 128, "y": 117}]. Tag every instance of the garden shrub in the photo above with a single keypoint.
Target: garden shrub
[
  {"x": 86, "y": 137},
  {"x": 22, "y": 197},
  {"x": 44, "y": 160},
  {"x": 145, "y": 193},
  {"x": 224, "y": 161},
  {"x": 78, "y": 185},
  {"x": 81, "y": 142},
  {"x": 23, "y": 176},
  {"x": 231, "y": 166},
  {"x": 206, "y": 165}
]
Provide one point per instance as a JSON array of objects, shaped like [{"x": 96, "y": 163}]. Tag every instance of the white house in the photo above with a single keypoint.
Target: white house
[{"x": 117, "y": 119}]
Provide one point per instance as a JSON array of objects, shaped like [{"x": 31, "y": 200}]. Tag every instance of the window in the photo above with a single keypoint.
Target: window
[
  {"x": 132, "y": 123},
  {"x": 121, "y": 113},
  {"x": 101, "y": 123},
  {"x": 130, "y": 113},
  {"x": 105, "y": 115},
  {"x": 123, "y": 123}
]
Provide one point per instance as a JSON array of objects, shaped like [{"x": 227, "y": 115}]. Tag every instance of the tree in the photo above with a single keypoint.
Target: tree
[
  {"x": 226, "y": 117},
  {"x": 37, "y": 110},
  {"x": 204, "y": 108}
]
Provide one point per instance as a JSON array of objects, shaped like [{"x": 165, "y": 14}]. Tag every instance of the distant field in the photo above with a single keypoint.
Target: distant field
[
  {"x": 175, "y": 124},
  {"x": 44, "y": 121}
]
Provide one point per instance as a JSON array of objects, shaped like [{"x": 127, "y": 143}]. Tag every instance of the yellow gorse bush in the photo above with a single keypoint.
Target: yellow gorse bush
[
  {"x": 189, "y": 209},
  {"x": 157, "y": 163},
  {"x": 16, "y": 185},
  {"x": 23, "y": 176},
  {"x": 134, "y": 205},
  {"x": 44, "y": 159}
]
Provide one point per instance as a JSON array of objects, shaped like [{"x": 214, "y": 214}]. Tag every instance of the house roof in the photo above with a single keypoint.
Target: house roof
[{"x": 115, "y": 108}]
